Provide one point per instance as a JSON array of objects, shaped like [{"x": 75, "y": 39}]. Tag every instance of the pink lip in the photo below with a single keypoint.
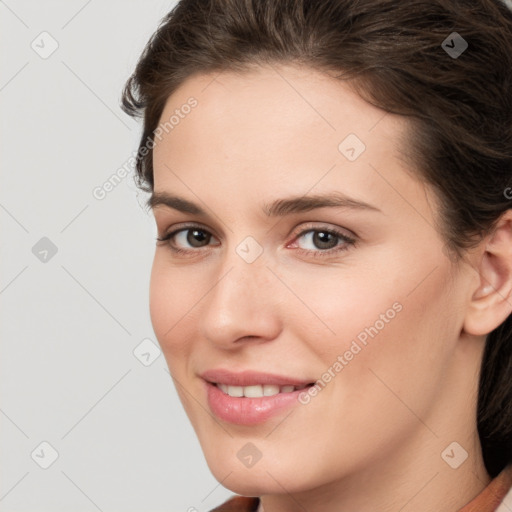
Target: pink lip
[
  {"x": 247, "y": 411},
  {"x": 250, "y": 378}
]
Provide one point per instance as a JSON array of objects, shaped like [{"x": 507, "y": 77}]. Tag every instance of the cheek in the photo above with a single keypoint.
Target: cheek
[
  {"x": 171, "y": 305},
  {"x": 380, "y": 319},
  {"x": 335, "y": 306}
]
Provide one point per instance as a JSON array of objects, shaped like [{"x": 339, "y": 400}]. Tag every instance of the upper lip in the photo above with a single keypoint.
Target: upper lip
[{"x": 250, "y": 378}]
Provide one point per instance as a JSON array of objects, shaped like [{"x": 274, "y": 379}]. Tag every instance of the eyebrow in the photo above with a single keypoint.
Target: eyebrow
[{"x": 278, "y": 208}]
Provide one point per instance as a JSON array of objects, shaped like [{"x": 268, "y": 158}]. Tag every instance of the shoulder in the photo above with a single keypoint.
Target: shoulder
[{"x": 238, "y": 504}]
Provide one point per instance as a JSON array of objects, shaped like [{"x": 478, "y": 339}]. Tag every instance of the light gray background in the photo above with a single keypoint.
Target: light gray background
[{"x": 70, "y": 324}]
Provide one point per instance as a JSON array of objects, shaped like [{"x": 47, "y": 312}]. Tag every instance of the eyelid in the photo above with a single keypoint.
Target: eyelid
[
  {"x": 183, "y": 226},
  {"x": 310, "y": 225},
  {"x": 323, "y": 226}
]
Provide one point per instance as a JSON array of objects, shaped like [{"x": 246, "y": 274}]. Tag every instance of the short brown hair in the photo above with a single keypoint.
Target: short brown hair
[{"x": 392, "y": 53}]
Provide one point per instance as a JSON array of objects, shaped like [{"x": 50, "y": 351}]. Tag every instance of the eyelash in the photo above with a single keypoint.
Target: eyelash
[{"x": 348, "y": 241}]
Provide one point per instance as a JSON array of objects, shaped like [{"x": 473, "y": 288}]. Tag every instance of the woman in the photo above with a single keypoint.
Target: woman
[{"x": 332, "y": 186}]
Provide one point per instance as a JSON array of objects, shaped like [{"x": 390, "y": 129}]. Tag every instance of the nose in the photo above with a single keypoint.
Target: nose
[{"x": 242, "y": 304}]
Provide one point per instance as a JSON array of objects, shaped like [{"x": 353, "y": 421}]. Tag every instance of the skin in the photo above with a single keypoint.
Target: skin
[{"x": 382, "y": 423}]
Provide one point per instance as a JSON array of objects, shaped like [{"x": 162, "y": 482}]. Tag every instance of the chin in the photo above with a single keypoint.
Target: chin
[
  {"x": 263, "y": 478},
  {"x": 248, "y": 485}
]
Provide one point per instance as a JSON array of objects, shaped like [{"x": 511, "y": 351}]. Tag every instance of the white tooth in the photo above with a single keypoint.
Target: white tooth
[
  {"x": 253, "y": 391},
  {"x": 270, "y": 390},
  {"x": 235, "y": 391},
  {"x": 257, "y": 390},
  {"x": 223, "y": 387}
]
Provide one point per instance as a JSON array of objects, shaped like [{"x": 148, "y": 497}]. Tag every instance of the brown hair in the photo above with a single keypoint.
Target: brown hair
[{"x": 392, "y": 53}]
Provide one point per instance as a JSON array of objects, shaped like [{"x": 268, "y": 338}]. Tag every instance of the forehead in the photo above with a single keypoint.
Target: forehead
[{"x": 288, "y": 101}]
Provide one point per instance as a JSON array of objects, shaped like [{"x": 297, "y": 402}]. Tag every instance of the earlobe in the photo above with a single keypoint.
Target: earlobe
[{"x": 491, "y": 301}]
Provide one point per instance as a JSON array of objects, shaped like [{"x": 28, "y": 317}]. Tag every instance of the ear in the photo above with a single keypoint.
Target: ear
[{"x": 491, "y": 302}]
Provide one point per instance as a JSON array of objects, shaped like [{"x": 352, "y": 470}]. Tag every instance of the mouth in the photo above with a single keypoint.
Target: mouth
[
  {"x": 254, "y": 404},
  {"x": 252, "y": 397}
]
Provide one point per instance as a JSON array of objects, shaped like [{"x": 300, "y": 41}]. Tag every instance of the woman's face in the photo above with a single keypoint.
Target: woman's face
[{"x": 359, "y": 296}]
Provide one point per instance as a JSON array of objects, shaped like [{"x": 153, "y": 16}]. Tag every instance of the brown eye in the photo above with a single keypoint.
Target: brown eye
[
  {"x": 323, "y": 240},
  {"x": 196, "y": 237},
  {"x": 187, "y": 239}
]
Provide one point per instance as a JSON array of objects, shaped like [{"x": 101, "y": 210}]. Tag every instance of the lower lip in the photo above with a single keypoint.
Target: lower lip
[{"x": 248, "y": 411}]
